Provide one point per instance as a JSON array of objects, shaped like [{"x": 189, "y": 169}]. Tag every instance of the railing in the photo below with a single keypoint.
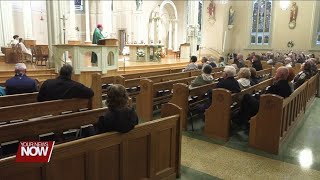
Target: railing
[{"x": 216, "y": 53}]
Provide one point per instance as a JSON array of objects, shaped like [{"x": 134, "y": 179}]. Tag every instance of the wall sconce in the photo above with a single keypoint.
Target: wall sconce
[{"x": 284, "y": 5}]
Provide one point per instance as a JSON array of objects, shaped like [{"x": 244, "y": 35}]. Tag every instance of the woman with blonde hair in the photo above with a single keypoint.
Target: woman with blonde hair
[{"x": 244, "y": 78}]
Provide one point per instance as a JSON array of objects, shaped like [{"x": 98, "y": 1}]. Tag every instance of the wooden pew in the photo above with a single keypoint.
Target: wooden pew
[
  {"x": 18, "y": 99},
  {"x": 218, "y": 115},
  {"x": 147, "y": 97},
  {"x": 150, "y": 151},
  {"x": 181, "y": 94},
  {"x": 30, "y": 72},
  {"x": 278, "y": 118},
  {"x": 38, "y": 109}
]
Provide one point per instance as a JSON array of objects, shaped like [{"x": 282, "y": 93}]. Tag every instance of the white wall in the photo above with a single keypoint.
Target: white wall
[{"x": 281, "y": 33}]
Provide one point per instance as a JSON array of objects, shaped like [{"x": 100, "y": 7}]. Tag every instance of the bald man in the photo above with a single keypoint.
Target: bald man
[{"x": 281, "y": 87}]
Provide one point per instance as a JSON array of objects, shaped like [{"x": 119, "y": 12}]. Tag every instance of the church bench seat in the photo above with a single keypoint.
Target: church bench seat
[
  {"x": 280, "y": 116},
  {"x": 11, "y": 100},
  {"x": 187, "y": 98},
  {"x": 218, "y": 115},
  {"x": 151, "y": 150},
  {"x": 148, "y": 96},
  {"x": 38, "y": 109},
  {"x": 37, "y": 76},
  {"x": 32, "y": 72}
]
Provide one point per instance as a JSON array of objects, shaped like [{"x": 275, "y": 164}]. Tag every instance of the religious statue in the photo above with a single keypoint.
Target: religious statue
[
  {"x": 293, "y": 15},
  {"x": 231, "y": 16},
  {"x": 212, "y": 11},
  {"x": 138, "y": 5}
]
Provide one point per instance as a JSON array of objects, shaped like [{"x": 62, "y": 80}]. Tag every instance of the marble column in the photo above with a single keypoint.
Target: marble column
[
  {"x": 87, "y": 21},
  {"x": 107, "y": 16},
  {"x": 73, "y": 35},
  {"x": 176, "y": 47},
  {"x": 27, "y": 20},
  {"x": 170, "y": 35},
  {"x": 193, "y": 26},
  {"x": 55, "y": 11},
  {"x": 6, "y": 25}
]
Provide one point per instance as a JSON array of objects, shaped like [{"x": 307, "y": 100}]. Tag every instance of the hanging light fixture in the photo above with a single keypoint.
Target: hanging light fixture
[{"x": 284, "y": 5}]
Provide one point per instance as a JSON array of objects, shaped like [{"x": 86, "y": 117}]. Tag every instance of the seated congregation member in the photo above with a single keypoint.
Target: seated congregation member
[
  {"x": 212, "y": 62},
  {"x": 24, "y": 49},
  {"x": 192, "y": 66},
  {"x": 63, "y": 87},
  {"x": 21, "y": 83},
  {"x": 119, "y": 116},
  {"x": 240, "y": 61},
  {"x": 250, "y": 105},
  {"x": 221, "y": 62},
  {"x": 253, "y": 78},
  {"x": 15, "y": 40},
  {"x": 256, "y": 63},
  {"x": 204, "y": 61},
  {"x": 229, "y": 82},
  {"x": 291, "y": 77},
  {"x": 244, "y": 78},
  {"x": 303, "y": 75},
  {"x": 281, "y": 86},
  {"x": 2, "y": 91},
  {"x": 287, "y": 62},
  {"x": 204, "y": 78},
  {"x": 314, "y": 67}
]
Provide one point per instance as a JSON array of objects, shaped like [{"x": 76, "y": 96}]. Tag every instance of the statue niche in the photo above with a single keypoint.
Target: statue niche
[{"x": 293, "y": 15}]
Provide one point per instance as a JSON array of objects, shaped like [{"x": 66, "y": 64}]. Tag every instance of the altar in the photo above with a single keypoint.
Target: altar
[
  {"x": 149, "y": 50},
  {"x": 107, "y": 57}
]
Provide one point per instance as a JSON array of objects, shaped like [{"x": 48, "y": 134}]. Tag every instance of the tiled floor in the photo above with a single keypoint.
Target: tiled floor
[{"x": 300, "y": 159}]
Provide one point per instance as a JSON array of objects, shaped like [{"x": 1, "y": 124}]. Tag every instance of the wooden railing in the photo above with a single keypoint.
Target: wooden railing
[{"x": 278, "y": 117}]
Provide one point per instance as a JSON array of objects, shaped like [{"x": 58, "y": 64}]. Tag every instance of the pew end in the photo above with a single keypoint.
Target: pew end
[
  {"x": 265, "y": 132},
  {"x": 167, "y": 110},
  {"x": 217, "y": 116}
]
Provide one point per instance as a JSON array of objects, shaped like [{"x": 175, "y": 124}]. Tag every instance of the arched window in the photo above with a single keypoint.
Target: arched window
[
  {"x": 316, "y": 28},
  {"x": 261, "y": 23}
]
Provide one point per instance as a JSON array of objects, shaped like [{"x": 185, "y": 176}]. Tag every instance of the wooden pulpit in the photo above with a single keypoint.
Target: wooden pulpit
[{"x": 108, "y": 42}]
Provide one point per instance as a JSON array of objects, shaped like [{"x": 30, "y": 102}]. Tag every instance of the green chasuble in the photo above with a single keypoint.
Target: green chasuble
[{"x": 96, "y": 37}]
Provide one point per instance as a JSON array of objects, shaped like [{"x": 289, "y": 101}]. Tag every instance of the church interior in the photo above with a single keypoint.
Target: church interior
[{"x": 160, "y": 89}]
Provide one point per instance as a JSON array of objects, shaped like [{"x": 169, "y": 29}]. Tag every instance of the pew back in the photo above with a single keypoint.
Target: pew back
[
  {"x": 280, "y": 116},
  {"x": 150, "y": 151}
]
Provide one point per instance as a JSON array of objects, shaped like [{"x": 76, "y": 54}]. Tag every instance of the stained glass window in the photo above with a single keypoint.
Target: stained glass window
[{"x": 261, "y": 22}]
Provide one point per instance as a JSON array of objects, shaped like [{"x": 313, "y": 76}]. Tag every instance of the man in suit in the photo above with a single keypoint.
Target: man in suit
[
  {"x": 63, "y": 87},
  {"x": 20, "y": 83}
]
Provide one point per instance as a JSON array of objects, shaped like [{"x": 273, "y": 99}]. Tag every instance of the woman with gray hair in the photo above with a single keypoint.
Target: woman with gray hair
[{"x": 244, "y": 78}]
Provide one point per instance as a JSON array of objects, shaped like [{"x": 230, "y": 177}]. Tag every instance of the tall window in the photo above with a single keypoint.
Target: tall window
[
  {"x": 318, "y": 34},
  {"x": 261, "y": 22}
]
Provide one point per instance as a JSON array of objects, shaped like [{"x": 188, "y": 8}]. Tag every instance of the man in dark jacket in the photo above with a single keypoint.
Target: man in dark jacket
[
  {"x": 256, "y": 63},
  {"x": 63, "y": 87},
  {"x": 228, "y": 81},
  {"x": 20, "y": 83}
]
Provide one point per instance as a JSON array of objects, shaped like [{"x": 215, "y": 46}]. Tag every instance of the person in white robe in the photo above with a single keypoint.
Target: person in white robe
[{"x": 24, "y": 48}]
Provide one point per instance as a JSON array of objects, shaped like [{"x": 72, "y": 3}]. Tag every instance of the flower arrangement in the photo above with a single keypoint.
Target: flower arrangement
[
  {"x": 290, "y": 44},
  {"x": 140, "y": 53},
  {"x": 158, "y": 54}
]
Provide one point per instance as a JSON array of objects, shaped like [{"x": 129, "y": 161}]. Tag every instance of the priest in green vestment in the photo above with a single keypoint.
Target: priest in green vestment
[{"x": 97, "y": 35}]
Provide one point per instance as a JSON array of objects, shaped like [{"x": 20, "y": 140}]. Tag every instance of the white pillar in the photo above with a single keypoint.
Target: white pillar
[
  {"x": 176, "y": 47},
  {"x": 87, "y": 20},
  {"x": 170, "y": 35},
  {"x": 107, "y": 16},
  {"x": 152, "y": 30},
  {"x": 27, "y": 20},
  {"x": 72, "y": 24},
  {"x": 6, "y": 25},
  {"x": 193, "y": 26}
]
